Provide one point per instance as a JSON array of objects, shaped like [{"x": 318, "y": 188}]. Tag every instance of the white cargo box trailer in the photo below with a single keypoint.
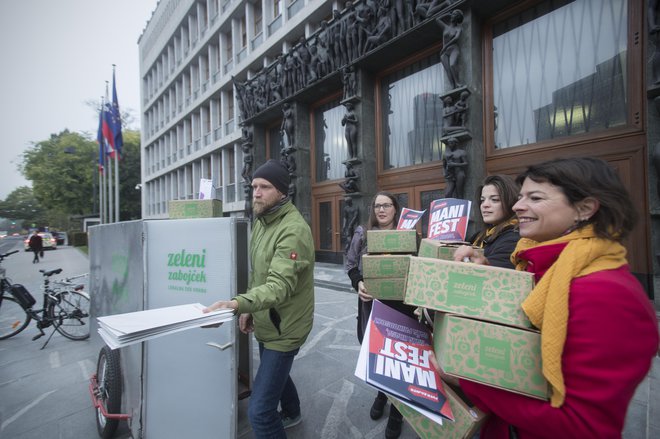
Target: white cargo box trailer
[{"x": 185, "y": 384}]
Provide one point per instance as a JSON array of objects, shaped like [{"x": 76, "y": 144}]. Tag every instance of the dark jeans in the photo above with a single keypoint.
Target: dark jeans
[
  {"x": 272, "y": 386},
  {"x": 36, "y": 255}
]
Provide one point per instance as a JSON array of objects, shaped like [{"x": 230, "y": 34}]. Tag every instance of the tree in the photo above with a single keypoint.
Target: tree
[
  {"x": 22, "y": 207},
  {"x": 64, "y": 174}
]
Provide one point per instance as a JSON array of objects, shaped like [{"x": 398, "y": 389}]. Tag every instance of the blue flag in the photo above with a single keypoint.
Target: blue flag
[{"x": 116, "y": 119}]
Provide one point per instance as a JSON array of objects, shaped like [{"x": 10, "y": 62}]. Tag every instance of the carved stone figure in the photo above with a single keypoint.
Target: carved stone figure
[
  {"x": 352, "y": 51},
  {"x": 248, "y": 160},
  {"x": 350, "y": 219},
  {"x": 288, "y": 124},
  {"x": 382, "y": 32},
  {"x": 454, "y": 116},
  {"x": 349, "y": 80},
  {"x": 454, "y": 164},
  {"x": 325, "y": 46},
  {"x": 338, "y": 38},
  {"x": 426, "y": 9},
  {"x": 451, "y": 26},
  {"x": 350, "y": 122},
  {"x": 350, "y": 184}
]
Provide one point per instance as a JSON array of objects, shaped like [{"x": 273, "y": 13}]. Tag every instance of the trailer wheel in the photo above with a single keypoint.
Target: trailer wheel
[{"x": 108, "y": 374}]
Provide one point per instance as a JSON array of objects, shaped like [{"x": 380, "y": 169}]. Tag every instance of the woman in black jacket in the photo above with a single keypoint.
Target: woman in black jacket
[{"x": 496, "y": 196}]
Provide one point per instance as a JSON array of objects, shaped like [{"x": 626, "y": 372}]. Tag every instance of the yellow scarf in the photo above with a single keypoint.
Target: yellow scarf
[{"x": 547, "y": 304}]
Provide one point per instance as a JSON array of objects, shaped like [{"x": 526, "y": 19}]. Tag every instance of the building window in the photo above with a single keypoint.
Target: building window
[
  {"x": 329, "y": 142},
  {"x": 559, "y": 69},
  {"x": 411, "y": 114}
]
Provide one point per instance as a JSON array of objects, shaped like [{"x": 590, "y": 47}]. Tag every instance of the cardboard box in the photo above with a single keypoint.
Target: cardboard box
[
  {"x": 385, "y": 266},
  {"x": 392, "y": 241},
  {"x": 500, "y": 356},
  {"x": 385, "y": 288},
  {"x": 480, "y": 291},
  {"x": 195, "y": 209},
  {"x": 467, "y": 418},
  {"x": 431, "y": 248}
]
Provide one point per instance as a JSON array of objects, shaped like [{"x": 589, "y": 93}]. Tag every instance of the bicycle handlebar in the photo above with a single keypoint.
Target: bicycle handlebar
[
  {"x": 69, "y": 279},
  {"x": 8, "y": 254}
]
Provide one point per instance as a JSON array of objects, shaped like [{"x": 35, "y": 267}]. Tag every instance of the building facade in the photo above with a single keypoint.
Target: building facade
[{"x": 420, "y": 98}]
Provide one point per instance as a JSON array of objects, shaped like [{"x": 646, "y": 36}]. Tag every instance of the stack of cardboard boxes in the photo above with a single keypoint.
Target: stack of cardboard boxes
[
  {"x": 480, "y": 331},
  {"x": 385, "y": 266}
]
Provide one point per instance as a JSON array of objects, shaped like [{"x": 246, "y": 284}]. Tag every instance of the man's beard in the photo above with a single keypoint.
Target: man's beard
[{"x": 259, "y": 207}]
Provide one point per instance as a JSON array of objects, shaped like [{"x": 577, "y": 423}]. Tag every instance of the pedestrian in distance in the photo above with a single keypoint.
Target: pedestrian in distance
[
  {"x": 36, "y": 244},
  {"x": 383, "y": 215},
  {"x": 599, "y": 332},
  {"x": 496, "y": 197},
  {"x": 278, "y": 306}
]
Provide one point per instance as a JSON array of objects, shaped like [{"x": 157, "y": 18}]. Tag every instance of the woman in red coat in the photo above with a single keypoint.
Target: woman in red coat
[{"x": 598, "y": 329}]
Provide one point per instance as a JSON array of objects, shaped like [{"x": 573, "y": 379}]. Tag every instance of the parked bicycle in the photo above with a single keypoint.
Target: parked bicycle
[{"x": 65, "y": 306}]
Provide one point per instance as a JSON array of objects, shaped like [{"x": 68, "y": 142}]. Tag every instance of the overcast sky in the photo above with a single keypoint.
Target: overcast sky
[{"x": 56, "y": 56}]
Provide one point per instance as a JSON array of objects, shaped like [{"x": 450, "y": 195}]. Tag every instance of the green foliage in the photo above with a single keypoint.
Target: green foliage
[
  {"x": 78, "y": 239},
  {"x": 22, "y": 207},
  {"x": 65, "y": 178}
]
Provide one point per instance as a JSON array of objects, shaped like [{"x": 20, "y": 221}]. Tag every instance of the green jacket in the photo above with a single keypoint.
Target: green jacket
[{"x": 280, "y": 293}]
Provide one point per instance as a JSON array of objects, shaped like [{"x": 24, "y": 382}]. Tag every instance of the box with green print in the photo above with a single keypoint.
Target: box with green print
[
  {"x": 392, "y": 241},
  {"x": 496, "y": 355},
  {"x": 182, "y": 209},
  {"x": 385, "y": 275},
  {"x": 480, "y": 291},
  {"x": 432, "y": 248},
  {"x": 467, "y": 418}
]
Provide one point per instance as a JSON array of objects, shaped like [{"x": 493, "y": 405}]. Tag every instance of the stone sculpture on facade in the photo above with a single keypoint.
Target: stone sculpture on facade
[
  {"x": 454, "y": 164},
  {"x": 350, "y": 124},
  {"x": 349, "y": 185},
  {"x": 451, "y": 25},
  {"x": 382, "y": 32},
  {"x": 350, "y": 220},
  {"x": 349, "y": 80},
  {"x": 454, "y": 115},
  {"x": 362, "y": 26},
  {"x": 288, "y": 124}
]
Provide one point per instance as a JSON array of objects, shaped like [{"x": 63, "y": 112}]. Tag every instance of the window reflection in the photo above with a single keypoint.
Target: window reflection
[
  {"x": 329, "y": 141},
  {"x": 412, "y": 114},
  {"x": 559, "y": 69},
  {"x": 325, "y": 225}
]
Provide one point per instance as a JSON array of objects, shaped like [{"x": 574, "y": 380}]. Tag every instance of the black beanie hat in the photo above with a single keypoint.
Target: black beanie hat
[{"x": 276, "y": 173}]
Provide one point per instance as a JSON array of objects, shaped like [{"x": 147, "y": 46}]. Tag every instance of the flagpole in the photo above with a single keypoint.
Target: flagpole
[
  {"x": 118, "y": 139},
  {"x": 116, "y": 186}
]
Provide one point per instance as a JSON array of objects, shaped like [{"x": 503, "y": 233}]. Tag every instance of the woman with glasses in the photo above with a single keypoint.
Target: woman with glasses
[{"x": 383, "y": 215}]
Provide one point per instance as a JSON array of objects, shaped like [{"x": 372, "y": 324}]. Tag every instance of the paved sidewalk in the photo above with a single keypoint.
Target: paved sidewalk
[{"x": 643, "y": 418}]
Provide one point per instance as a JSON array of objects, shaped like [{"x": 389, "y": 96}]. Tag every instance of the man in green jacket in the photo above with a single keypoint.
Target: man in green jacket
[{"x": 279, "y": 303}]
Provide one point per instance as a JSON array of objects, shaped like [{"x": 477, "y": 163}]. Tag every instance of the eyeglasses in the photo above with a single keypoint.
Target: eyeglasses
[{"x": 383, "y": 206}]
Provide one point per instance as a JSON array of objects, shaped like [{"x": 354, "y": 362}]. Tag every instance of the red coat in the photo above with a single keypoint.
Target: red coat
[{"x": 612, "y": 337}]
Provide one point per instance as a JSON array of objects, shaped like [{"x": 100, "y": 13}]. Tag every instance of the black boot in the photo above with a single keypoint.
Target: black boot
[
  {"x": 378, "y": 406},
  {"x": 394, "y": 423}
]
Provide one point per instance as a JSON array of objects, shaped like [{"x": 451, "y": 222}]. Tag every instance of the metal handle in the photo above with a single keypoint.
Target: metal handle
[{"x": 218, "y": 346}]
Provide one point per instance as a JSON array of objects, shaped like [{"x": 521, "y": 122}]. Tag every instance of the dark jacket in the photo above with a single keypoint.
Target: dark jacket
[
  {"x": 498, "y": 250},
  {"x": 36, "y": 243}
]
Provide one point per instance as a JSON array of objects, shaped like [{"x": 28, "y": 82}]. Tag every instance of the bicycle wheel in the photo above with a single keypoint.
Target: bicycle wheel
[
  {"x": 13, "y": 318},
  {"x": 108, "y": 376},
  {"x": 70, "y": 314}
]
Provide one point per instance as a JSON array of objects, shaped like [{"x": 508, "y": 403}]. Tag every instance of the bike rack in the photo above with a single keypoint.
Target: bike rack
[{"x": 94, "y": 392}]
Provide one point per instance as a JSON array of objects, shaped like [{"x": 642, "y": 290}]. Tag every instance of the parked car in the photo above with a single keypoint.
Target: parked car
[
  {"x": 60, "y": 237},
  {"x": 49, "y": 241}
]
